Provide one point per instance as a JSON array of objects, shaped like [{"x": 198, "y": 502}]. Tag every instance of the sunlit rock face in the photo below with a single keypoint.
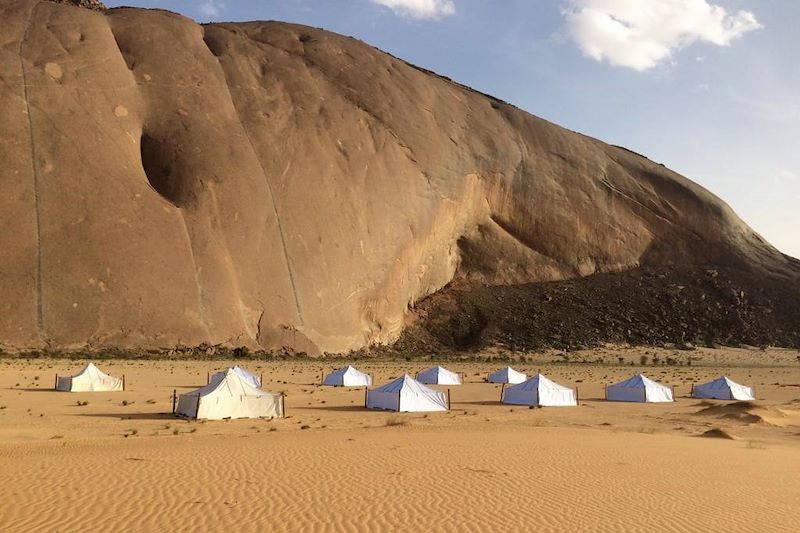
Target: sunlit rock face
[{"x": 276, "y": 186}]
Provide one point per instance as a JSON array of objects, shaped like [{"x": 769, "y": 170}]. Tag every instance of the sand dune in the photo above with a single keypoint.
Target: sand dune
[
  {"x": 717, "y": 433},
  {"x": 747, "y": 412}
]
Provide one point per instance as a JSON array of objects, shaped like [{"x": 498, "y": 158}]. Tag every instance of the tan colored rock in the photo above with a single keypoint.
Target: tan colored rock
[{"x": 272, "y": 185}]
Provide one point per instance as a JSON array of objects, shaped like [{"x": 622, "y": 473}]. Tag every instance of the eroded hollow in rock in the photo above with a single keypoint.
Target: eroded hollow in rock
[{"x": 158, "y": 161}]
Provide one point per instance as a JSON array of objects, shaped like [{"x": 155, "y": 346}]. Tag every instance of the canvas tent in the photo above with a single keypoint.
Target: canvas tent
[
  {"x": 90, "y": 379},
  {"x": 348, "y": 377},
  {"x": 229, "y": 397},
  {"x": 539, "y": 391},
  {"x": 406, "y": 394},
  {"x": 639, "y": 388},
  {"x": 723, "y": 388},
  {"x": 250, "y": 378},
  {"x": 507, "y": 375},
  {"x": 438, "y": 375}
]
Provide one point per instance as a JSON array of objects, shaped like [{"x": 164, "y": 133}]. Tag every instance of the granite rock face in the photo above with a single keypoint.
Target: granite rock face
[{"x": 276, "y": 186}]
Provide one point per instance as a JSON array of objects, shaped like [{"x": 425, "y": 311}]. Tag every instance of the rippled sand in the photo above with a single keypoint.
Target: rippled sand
[{"x": 598, "y": 467}]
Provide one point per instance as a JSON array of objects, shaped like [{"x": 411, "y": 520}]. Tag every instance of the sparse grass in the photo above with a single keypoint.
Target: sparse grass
[
  {"x": 396, "y": 421},
  {"x": 82, "y": 403},
  {"x": 305, "y": 426},
  {"x": 55, "y": 437}
]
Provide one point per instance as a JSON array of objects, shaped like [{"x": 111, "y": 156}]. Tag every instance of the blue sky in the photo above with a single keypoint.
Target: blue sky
[{"x": 711, "y": 88}]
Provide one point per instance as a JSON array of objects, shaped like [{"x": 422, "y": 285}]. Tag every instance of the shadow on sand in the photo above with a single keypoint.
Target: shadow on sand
[
  {"x": 341, "y": 408},
  {"x": 135, "y": 416}
]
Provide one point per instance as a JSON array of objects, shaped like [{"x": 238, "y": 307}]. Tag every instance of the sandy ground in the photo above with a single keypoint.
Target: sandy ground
[{"x": 122, "y": 462}]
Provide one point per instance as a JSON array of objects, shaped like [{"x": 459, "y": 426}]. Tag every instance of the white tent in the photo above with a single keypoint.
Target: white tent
[
  {"x": 90, "y": 379},
  {"x": 252, "y": 379},
  {"x": 406, "y": 394},
  {"x": 507, "y": 375},
  {"x": 639, "y": 388},
  {"x": 438, "y": 375},
  {"x": 723, "y": 388},
  {"x": 539, "y": 391},
  {"x": 229, "y": 397},
  {"x": 348, "y": 377}
]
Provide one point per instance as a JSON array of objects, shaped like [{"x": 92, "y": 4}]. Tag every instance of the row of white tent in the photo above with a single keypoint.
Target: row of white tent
[
  {"x": 437, "y": 375},
  {"x": 236, "y": 393}
]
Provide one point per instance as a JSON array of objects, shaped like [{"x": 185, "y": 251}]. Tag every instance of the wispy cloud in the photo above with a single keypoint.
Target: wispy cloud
[
  {"x": 212, "y": 8},
  {"x": 420, "y": 9},
  {"x": 642, "y": 34}
]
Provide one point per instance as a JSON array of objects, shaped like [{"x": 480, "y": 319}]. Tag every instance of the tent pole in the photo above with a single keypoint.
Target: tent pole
[
  {"x": 174, "y": 399},
  {"x": 261, "y": 379},
  {"x": 448, "y": 399},
  {"x": 55, "y": 385},
  {"x": 283, "y": 406},
  {"x": 197, "y": 408},
  {"x": 123, "y": 382},
  {"x": 502, "y": 389},
  {"x": 605, "y": 391},
  {"x": 366, "y": 393},
  {"x": 691, "y": 393},
  {"x": 577, "y": 398}
]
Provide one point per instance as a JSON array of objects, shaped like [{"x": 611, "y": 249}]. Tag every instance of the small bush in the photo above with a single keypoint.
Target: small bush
[{"x": 396, "y": 421}]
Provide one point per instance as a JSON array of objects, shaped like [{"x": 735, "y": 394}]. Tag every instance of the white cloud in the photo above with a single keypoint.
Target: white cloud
[
  {"x": 640, "y": 34},
  {"x": 212, "y": 8},
  {"x": 420, "y": 9}
]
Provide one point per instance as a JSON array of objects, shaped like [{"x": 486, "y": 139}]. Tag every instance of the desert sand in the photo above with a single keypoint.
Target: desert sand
[{"x": 123, "y": 462}]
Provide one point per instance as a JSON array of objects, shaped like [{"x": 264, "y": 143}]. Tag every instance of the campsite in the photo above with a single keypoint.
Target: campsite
[
  {"x": 262, "y": 467},
  {"x": 399, "y": 266}
]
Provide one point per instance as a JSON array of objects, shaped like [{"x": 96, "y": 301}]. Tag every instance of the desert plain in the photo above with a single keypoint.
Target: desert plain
[{"x": 122, "y": 461}]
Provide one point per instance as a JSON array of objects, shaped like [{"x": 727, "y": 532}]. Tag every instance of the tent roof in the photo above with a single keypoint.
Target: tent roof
[
  {"x": 408, "y": 383},
  {"x": 538, "y": 382},
  {"x": 507, "y": 371},
  {"x": 92, "y": 370},
  {"x": 347, "y": 370},
  {"x": 439, "y": 370},
  {"x": 721, "y": 382},
  {"x": 234, "y": 382},
  {"x": 639, "y": 381}
]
